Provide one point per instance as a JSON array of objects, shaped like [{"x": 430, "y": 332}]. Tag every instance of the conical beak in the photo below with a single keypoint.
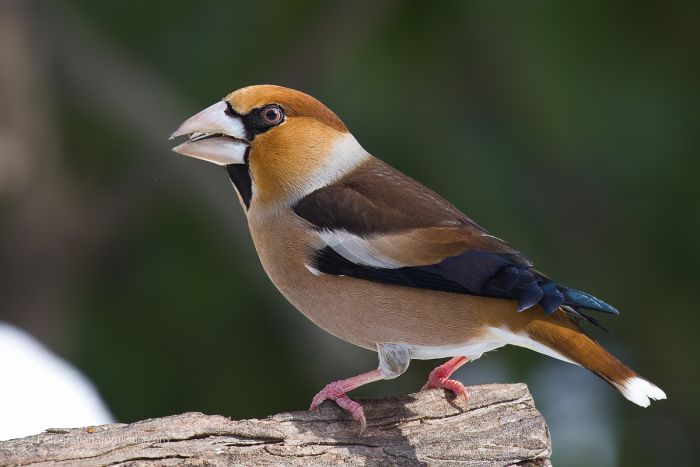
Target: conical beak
[{"x": 215, "y": 135}]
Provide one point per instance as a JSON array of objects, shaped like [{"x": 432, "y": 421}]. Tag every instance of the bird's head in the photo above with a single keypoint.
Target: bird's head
[{"x": 277, "y": 144}]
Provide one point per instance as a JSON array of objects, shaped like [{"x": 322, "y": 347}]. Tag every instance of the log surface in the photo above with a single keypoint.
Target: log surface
[{"x": 500, "y": 427}]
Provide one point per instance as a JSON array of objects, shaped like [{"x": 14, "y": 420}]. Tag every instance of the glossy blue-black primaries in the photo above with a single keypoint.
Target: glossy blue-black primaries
[
  {"x": 473, "y": 273},
  {"x": 580, "y": 299}
]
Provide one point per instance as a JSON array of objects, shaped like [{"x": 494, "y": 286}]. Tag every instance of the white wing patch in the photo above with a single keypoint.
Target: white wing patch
[
  {"x": 312, "y": 269},
  {"x": 357, "y": 249}
]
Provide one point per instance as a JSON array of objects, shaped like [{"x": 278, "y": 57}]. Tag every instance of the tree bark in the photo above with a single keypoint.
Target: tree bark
[{"x": 501, "y": 426}]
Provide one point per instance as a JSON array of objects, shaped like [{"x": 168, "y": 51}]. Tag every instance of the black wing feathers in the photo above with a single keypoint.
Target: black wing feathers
[{"x": 378, "y": 200}]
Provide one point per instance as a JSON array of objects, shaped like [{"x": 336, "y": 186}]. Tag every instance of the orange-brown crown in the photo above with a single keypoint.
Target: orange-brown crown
[{"x": 295, "y": 103}]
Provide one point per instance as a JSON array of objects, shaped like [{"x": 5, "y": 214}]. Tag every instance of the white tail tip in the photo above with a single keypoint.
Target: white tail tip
[{"x": 639, "y": 391}]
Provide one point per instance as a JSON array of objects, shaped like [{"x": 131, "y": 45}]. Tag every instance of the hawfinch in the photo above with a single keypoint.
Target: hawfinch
[{"x": 379, "y": 260}]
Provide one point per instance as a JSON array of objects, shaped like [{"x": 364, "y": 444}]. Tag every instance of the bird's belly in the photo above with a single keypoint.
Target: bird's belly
[
  {"x": 433, "y": 324},
  {"x": 472, "y": 350}
]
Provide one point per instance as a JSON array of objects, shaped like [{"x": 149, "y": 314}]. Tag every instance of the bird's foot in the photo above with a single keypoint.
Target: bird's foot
[
  {"x": 450, "y": 384},
  {"x": 439, "y": 379},
  {"x": 335, "y": 392}
]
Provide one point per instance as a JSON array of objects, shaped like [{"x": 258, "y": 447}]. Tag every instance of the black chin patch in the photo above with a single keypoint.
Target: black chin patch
[{"x": 240, "y": 176}]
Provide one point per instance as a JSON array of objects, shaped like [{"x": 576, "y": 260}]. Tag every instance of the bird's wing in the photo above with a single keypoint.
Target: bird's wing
[{"x": 380, "y": 225}]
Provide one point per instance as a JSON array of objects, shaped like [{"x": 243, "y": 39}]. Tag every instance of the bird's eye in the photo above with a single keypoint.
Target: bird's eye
[{"x": 271, "y": 115}]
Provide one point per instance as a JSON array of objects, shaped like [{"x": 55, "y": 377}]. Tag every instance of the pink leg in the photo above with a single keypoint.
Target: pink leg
[
  {"x": 336, "y": 391},
  {"x": 439, "y": 377}
]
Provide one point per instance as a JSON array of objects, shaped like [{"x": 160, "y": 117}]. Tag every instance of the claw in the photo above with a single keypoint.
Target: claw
[
  {"x": 449, "y": 384},
  {"x": 334, "y": 391},
  {"x": 439, "y": 378}
]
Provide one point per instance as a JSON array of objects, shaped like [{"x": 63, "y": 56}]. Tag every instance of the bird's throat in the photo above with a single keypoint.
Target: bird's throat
[{"x": 240, "y": 176}]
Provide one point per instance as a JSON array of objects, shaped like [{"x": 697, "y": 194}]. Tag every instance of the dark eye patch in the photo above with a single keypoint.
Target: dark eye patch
[{"x": 258, "y": 120}]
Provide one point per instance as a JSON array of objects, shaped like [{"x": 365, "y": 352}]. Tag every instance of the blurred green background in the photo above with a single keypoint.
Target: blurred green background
[{"x": 570, "y": 129}]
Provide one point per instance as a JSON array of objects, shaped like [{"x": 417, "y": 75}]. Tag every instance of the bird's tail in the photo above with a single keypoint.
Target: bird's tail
[{"x": 563, "y": 335}]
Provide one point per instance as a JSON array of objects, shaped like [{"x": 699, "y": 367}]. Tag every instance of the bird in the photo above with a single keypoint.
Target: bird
[{"x": 377, "y": 259}]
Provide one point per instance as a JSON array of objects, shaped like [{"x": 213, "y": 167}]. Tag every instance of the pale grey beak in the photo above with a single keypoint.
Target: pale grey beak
[{"x": 214, "y": 136}]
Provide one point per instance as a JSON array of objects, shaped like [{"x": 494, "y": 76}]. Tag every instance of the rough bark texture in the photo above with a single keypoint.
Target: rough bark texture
[{"x": 500, "y": 427}]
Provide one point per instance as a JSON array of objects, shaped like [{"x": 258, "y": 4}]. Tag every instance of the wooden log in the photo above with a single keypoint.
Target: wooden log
[{"x": 501, "y": 427}]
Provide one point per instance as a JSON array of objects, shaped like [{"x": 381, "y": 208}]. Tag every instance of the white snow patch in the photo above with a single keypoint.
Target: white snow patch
[{"x": 39, "y": 390}]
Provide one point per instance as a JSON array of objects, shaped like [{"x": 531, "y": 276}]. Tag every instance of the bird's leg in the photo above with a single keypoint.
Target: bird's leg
[
  {"x": 336, "y": 391},
  {"x": 393, "y": 361},
  {"x": 439, "y": 377}
]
